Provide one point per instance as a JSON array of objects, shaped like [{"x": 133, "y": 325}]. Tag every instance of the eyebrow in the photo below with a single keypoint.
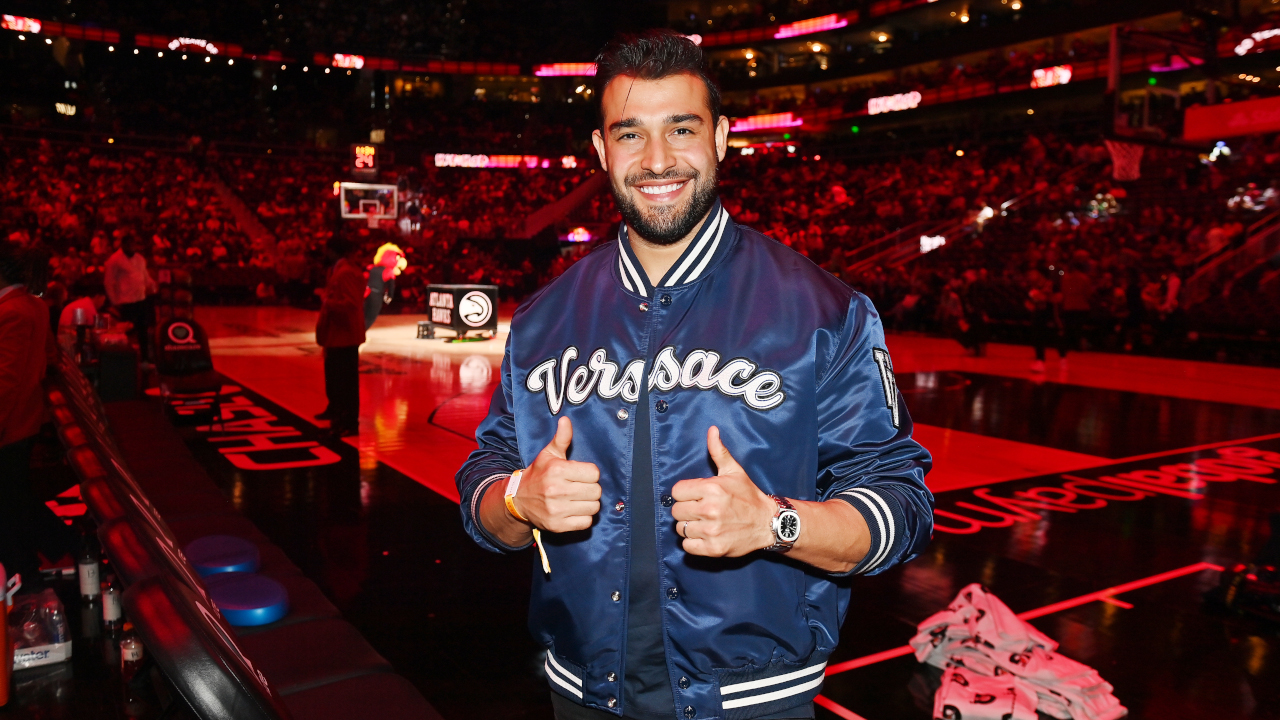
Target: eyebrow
[{"x": 633, "y": 122}]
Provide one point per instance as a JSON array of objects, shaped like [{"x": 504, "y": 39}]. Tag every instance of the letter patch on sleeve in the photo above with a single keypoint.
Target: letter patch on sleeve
[{"x": 887, "y": 381}]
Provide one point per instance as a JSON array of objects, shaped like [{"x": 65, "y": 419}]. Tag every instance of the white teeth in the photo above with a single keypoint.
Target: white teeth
[{"x": 660, "y": 189}]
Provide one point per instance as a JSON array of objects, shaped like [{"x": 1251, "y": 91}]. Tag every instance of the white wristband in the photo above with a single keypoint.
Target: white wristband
[{"x": 513, "y": 483}]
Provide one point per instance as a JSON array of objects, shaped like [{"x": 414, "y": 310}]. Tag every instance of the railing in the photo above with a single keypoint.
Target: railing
[
  {"x": 903, "y": 245},
  {"x": 1221, "y": 272}
]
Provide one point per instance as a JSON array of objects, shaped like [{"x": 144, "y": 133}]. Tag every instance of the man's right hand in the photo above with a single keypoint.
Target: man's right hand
[{"x": 558, "y": 494}]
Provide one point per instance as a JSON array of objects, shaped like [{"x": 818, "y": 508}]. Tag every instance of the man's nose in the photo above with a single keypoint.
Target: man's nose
[{"x": 658, "y": 157}]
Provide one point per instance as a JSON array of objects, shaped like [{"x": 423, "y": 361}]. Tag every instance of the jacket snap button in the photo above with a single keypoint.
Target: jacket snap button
[
  {"x": 623, "y": 414},
  {"x": 620, "y": 506},
  {"x": 662, "y": 406},
  {"x": 644, "y": 307},
  {"x": 612, "y": 677},
  {"x": 684, "y": 683},
  {"x": 672, "y": 593},
  {"x": 612, "y": 702},
  {"x": 668, "y": 501},
  {"x": 616, "y": 596},
  {"x": 666, "y": 300},
  {"x": 689, "y": 712}
]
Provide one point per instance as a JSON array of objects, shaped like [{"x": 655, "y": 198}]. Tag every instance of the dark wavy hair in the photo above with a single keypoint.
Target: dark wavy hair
[{"x": 653, "y": 55}]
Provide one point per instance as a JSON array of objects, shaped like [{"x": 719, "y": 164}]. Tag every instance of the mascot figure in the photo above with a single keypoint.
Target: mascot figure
[{"x": 388, "y": 262}]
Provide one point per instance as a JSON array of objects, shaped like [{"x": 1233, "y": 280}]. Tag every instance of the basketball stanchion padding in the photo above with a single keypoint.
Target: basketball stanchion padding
[
  {"x": 246, "y": 599},
  {"x": 214, "y": 554}
]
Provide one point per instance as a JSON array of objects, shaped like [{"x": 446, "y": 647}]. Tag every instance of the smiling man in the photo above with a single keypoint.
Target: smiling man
[{"x": 701, "y": 429}]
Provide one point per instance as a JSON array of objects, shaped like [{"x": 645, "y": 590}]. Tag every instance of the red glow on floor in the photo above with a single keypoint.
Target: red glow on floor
[
  {"x": 869, "y": 660},
  {"x": 1117, "y": 590},
  {"x": 1100, "y": 595},
  {"x": 837, "y": 708}
]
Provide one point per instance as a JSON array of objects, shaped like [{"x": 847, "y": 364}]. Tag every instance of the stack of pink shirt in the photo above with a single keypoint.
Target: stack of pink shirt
[{"x": 997, "y": 666}]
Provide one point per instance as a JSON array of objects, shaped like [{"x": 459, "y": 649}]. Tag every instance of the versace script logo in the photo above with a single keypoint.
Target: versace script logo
[{"x": 701, "y": 369}]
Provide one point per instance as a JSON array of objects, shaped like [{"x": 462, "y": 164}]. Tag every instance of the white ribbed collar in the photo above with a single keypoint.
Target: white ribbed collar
[{"x": 710, "y": 241}]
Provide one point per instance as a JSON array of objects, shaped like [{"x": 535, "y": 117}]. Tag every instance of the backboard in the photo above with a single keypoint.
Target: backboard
[{"x": 367, "y": 200}]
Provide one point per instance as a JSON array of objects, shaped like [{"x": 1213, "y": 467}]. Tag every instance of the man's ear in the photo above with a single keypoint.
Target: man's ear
[
  {"x": 722, "y": 137},
  {"x": 598, "y": 140}
]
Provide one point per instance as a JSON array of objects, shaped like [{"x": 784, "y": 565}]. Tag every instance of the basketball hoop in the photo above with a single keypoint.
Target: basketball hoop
[{"x": 1126, "y": 160}]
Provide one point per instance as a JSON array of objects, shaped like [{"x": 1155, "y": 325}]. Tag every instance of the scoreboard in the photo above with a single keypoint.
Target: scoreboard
[{"x": 364, "y": 158}]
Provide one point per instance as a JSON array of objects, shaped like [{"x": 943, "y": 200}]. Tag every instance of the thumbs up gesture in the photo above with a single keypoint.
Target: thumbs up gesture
[
  {"x": 725, "y": 515},
  {"x": 558, "y": 494}
]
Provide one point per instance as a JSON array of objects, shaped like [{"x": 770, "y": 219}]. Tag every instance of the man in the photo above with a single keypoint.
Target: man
[
  {"x": 84, "y": 309},
  {"x": 340, "y": 331},
  {"x": 1077, "y": 292},
  {"x": 703, "y": 428},
  {"x": 24, "y": 338},
  {"x": 128, "y": 286}
]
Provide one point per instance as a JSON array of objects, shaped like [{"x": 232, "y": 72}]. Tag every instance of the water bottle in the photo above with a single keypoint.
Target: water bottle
[
  {"x": 55, "y": 620},
  {"x": 87, "y": 568},
  {"x": 111, "y": 613}
]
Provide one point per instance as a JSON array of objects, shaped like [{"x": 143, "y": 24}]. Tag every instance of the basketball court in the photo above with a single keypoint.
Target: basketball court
[{"x": 1099, "y": 501}]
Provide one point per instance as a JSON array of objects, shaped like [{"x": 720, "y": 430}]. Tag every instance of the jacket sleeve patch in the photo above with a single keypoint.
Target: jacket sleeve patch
[{"x": 887, "y": 381}]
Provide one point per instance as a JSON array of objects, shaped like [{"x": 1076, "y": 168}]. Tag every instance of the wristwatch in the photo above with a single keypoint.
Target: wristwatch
[{"x": 785, "y": 525}]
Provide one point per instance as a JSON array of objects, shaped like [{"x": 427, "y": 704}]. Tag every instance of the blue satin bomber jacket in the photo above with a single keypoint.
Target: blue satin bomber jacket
[{"x": 790, "y": 363}]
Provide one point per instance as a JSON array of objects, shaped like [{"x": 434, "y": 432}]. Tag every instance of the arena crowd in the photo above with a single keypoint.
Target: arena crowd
[{"x": 1097, "y": 262}]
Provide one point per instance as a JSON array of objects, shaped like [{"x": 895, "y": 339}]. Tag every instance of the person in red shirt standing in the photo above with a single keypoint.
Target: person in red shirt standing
[
  {"x": 24, "y": 341},
  {"x": 340, "y": 331}
]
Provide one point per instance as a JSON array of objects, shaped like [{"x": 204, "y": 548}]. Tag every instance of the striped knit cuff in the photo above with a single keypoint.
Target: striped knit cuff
[{"x": 885, "y": 520}]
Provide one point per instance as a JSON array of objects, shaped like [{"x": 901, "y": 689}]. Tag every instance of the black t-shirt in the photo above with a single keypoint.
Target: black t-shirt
[{"x": 646, "y": 691}]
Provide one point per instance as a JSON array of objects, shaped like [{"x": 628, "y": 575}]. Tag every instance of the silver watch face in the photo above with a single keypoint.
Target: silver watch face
[{"x": 788, "y": 526}]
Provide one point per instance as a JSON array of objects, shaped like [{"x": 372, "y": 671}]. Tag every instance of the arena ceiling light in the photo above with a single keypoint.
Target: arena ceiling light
[
  {"x": 893, "y": 103},
  {"x": 813, "y": 25},
  {"x": 1248, "y": 43},
  {"x": 349, "y": 62},
  {"x": 21, "y": 24},
  {"x": 766, "y": 122},
  {"x": 566, "y": 70},
  {"x": 193, "y": 45},
  {"x": 1050, "y": 76}
]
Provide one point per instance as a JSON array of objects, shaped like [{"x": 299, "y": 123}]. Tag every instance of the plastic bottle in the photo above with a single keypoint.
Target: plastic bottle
[
  {"x": 111, "y": 612},
  {"x": 130, "y": 653},
  {"x": 55, "y": 620},
  {"x": 88, "y": 568}
]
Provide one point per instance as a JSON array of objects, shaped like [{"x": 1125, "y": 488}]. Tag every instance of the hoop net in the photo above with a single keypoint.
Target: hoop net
[{"x": 1126, "y": 160}]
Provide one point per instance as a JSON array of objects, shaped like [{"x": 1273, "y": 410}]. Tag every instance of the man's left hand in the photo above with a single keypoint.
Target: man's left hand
[{"x": 725, "y": 515}]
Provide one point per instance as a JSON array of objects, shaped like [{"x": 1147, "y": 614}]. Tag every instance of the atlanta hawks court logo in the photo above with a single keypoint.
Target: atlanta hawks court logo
[{"x": 475, "y": 308}]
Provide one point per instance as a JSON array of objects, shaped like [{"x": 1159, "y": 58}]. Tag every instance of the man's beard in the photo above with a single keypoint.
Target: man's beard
[{"x": 671, "y": 224}]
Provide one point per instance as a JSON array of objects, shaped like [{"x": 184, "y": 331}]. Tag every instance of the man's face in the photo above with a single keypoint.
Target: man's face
[{"x": 661, "y": 146}]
